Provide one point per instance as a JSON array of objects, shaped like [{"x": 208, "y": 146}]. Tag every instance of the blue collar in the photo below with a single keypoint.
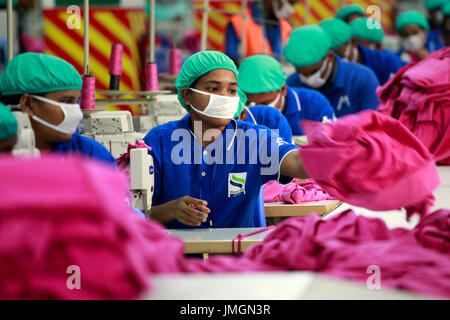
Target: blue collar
[{"x": 339, "y": 79}]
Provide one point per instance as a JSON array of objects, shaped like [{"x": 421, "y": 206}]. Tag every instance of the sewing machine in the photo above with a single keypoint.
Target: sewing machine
[
  {"x": 161, "y": 109},
  {"x": 26, "y": 143},
  {"x": 142, "y": 179},
  {"x": 113, "y": 129}
]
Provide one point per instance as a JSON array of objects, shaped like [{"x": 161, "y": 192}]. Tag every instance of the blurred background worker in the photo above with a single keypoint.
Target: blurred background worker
[
  {"x": 48, "y": 89},
  {"x": 349, "y": 87},
  {"x": 413, "y": 29},
  {"x": 350, "y": 13},
  {"x": 435, "y": 19},
  {"x": 446, "y": 23},
  {"x": 367, "y": 34},
  {"x": 263, "y": 80},
  {"x": 8, "y": 129},
  {"x": 266, "y": 18}
]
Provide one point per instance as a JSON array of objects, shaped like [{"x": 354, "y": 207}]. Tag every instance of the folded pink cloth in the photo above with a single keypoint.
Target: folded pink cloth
[
  {"x": 295, "y": 192},
  {"x": 419, "y": 97},
  {"x": 370, "y": 160},
  {"x": 433, "y": 231},
  {"x": 347, "y": 246}
]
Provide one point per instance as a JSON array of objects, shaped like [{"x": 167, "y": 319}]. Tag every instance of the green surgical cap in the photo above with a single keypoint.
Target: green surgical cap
[
  {"x": 344, "y": 12},
  {"x": 307, "y": 46},
  {"x": 261, "y": 73},
  {"x": 338, "y": 31},
  {"x": 446, "y": 9},
  {"x": 8, "y": 123},
  {"x": 433, "y": 4},
  {"x": 411, "y": 17},
  {"x": 201, "y": 63},
  {"x": 367, "y": 29},
  {"x": 38, "y": 73}
]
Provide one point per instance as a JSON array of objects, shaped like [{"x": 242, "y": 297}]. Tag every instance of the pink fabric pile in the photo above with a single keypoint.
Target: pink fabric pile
[
  {"x": 55, "y": 214},
  {"x": 371, "y": 160},
  {"x": 295, "y": 192},
  {"x": 419, "y": 96},
  {"x": 349, "y": 246}
]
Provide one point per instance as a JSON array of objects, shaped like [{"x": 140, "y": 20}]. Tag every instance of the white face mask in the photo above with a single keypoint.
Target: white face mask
[
  {"x": 72, "y": 116},
  {"x": 349, "y": 48},
  {"x": 414, "y": 43},
  {"x": 221, "y": 107},
  {"x": 315, "y": 80},
  {"x": 285, "y": 11}
]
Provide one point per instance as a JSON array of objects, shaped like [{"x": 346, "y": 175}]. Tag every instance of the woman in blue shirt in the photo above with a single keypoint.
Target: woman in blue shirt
[
  {"x": 48, "y": 90},
  {"x": 209, "y": 168}
]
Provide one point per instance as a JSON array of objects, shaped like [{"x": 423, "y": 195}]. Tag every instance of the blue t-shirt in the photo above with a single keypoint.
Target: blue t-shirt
[
  {"x": 271, "y": 118},
  {"x": 352, "y": 90},
  {"x": 435, "y": 40},
  {"x": 384, "y": 63},
  {"x": 228, "y": 173},
  {"x": 86, "y": 146},
  {"x": 302, "y": 103},
  {"x": 273, "y": 35}
]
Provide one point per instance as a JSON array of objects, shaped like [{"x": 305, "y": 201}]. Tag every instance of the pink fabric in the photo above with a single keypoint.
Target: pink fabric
[
  {"x": 434, "y": 231},
  {"x": 54, "y": 214},
  {"x": 295, "y": 192},
  {"x": 239, "y": 237},
  {"x": 419, "y": 96},
  {"x": 346, "y": 245},
  {"x": 371, "y": 160}
]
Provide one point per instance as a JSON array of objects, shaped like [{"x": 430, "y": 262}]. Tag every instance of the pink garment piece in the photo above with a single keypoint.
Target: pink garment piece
[
  {"x": 434, "y": 231},
  {"x": 346, "y": 245},
  {"x": 419, "y": 97},
  {"x": 371, "y": 160},
  {"x": 55, "y": 214},
  {"x": 295, "y": 192}
]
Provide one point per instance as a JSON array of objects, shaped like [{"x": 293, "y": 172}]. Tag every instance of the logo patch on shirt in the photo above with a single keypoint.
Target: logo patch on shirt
[{"x": 236, "y": 183}]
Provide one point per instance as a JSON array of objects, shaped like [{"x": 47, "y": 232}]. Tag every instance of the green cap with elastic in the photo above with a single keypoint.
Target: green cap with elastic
[
  {"x": 38, "y": 73},
  {"x": 446, "y": 9},
  {"x": 367, "y": 29},
  {"x": 307, "y": 46},
  {"x": 411, "y": 17},
  {"x": 433, "y": 4},
  {"x": 344, "y": 12},
  {"x": 8, "y": 123},
  {"x": 261, "y": 73},
  {"x": 201, "y": 63},
  {"x": 338, "y": 31}
]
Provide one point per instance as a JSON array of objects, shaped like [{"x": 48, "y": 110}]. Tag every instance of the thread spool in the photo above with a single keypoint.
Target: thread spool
[
  {"x": 115, "y": 66},
  {"x": 175, "y": 61},
  {"x": 151, "y": 77},
  {"x": 88, "y": 93}
]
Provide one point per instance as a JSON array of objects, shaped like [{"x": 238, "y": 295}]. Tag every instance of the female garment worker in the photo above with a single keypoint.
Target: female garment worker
[
  {"x": 209, "y": 168},
  {"x": 413, "y": 29},
  {"x": 349, "y": 42},
  {"x": 263, "y": 80},
  {"x": 349, "y": 87},
  {"x": 48, "y": 90}
]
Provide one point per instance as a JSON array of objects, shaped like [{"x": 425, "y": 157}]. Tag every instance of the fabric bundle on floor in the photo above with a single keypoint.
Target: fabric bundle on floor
[
  {"x": 348, "y": 246},
  {"x": 419, "y": 96},
  {"x": 295, "y": 192},
  {"x": 371, "y": 160}
]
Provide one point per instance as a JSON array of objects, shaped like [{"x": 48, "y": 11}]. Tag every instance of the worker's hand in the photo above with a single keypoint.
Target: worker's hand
[
  {"x": 422, "y": 53},
  {"x": 190, "y": 211}
]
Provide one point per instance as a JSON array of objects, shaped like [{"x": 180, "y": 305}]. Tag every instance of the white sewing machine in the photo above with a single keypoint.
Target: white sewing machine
[
  {"x": 142, "y": 179},
  {"x": 113, "y": 129},
  {"x": 160, "y": 110}
]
